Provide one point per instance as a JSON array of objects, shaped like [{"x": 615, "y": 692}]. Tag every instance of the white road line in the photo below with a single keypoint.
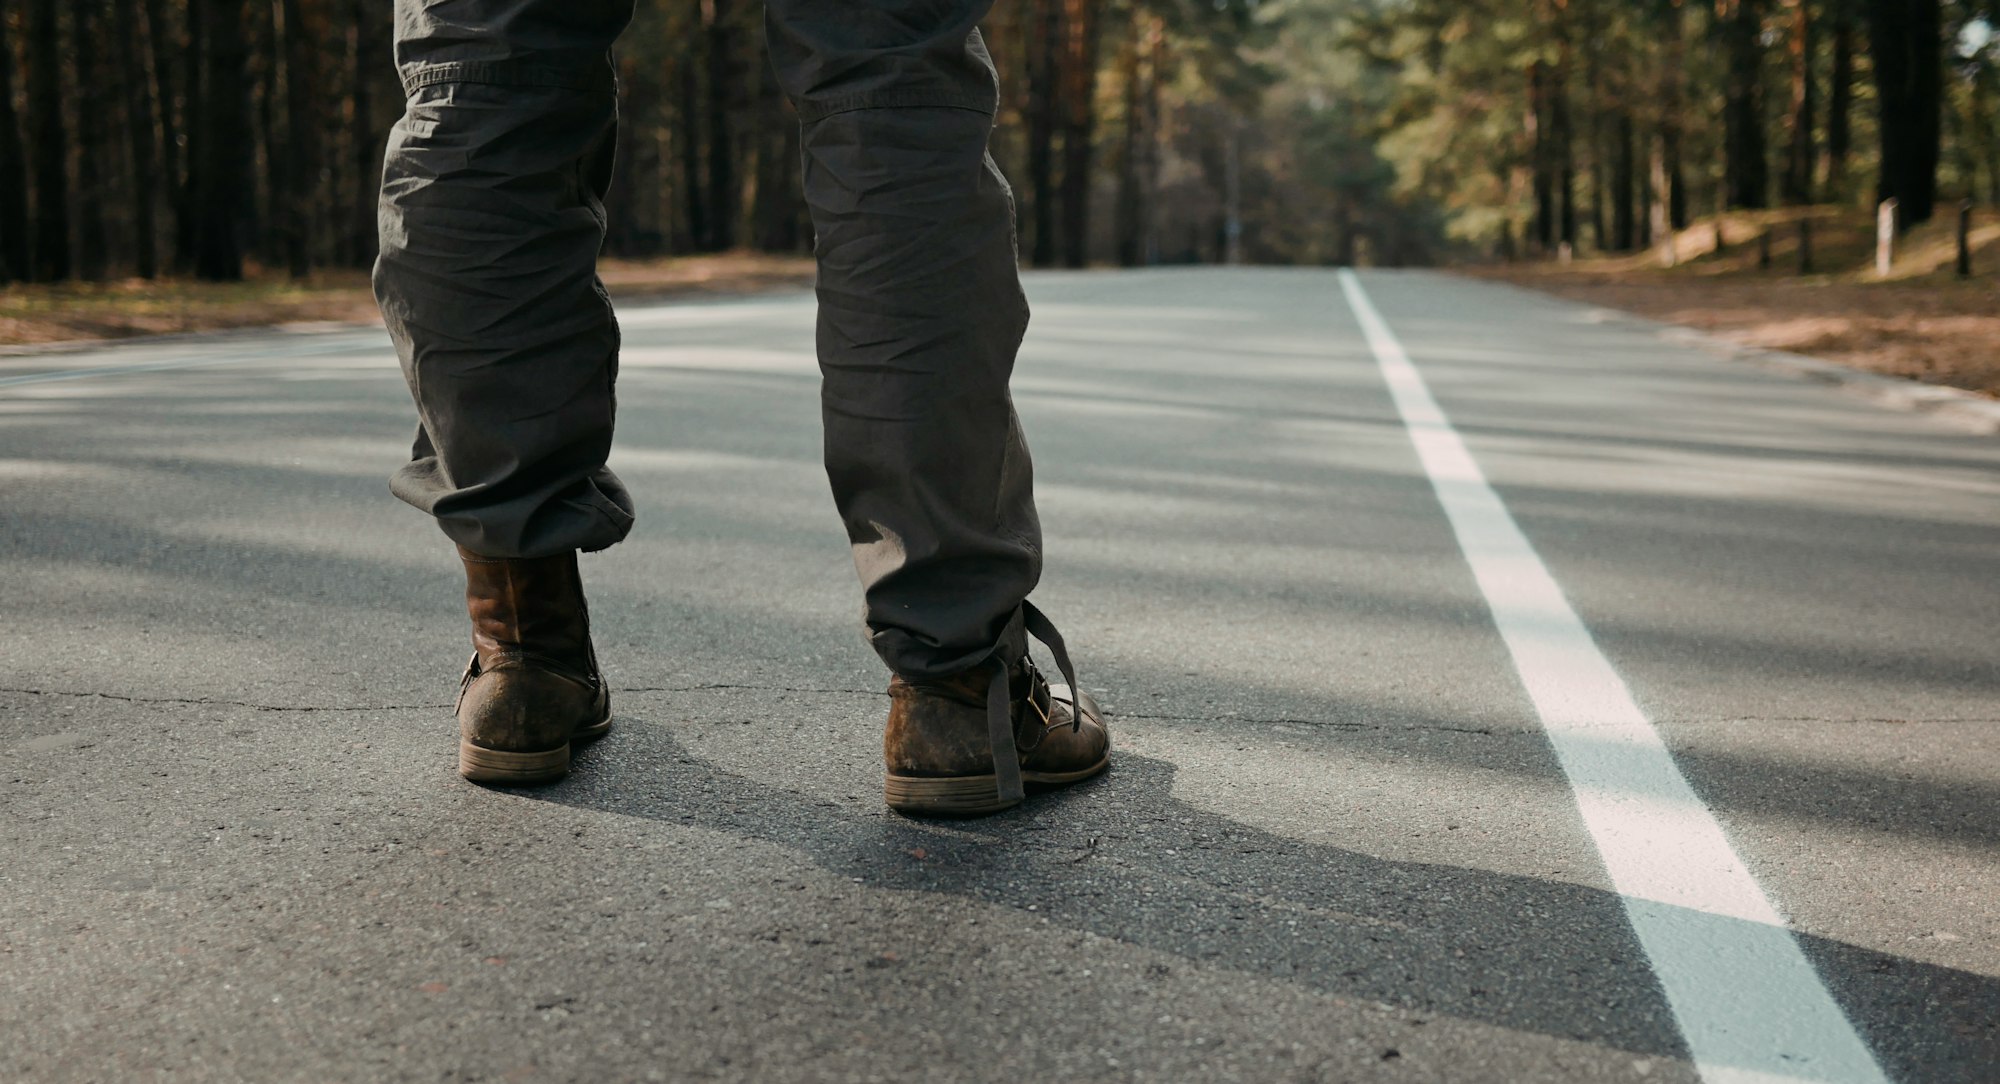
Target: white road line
[{"x": 1749, "y": 1004}]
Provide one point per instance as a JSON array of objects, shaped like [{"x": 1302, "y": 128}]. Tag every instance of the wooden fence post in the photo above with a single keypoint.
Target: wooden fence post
[{"x": 1885, "y": 237}]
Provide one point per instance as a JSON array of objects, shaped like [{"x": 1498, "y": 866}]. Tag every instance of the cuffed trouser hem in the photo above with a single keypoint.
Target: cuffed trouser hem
[{"x": 491, "y": 219}]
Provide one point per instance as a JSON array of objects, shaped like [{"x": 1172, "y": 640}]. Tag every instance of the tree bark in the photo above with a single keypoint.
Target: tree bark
[
  {"x": 1126, "y": 215},
  {"x": 364, "y": 142},
  {"x": 303, "y": 31},
  {"x": 694, "y": 201},
  {"x": 1624, "y": 185},
  {"x": 1594, "y": 113},
  {"x": 1541, "y": 156},
  {"x": 1800, "y": 156},
  {"x": 95, "y": 153},
  {"x": 1840, "y": 93},
  {"x": 1906, "y": 43},
  {"x": 14, "y": 258},
  {"x": 1746, "y": 174},
  {"x": 725, "y": 194},
  {"x": 1080, "y": 91},
  {"x": 48, "y": 143},
  {"x": 221, "y": 192},
  {"x": 195, "y": 124},
  {"x": 1562, "y": 136},
  {"x": 270, "y": 186},
  {"x": 143, "y": 190},
  {"x": 1673, "y": 99},
  {"x": 1044, "y": 51}
]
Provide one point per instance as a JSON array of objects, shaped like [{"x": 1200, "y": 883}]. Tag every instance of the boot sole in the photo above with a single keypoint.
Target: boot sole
[
  {"x": 482, "y": 765},
  {"x": 970, "y": 795}
]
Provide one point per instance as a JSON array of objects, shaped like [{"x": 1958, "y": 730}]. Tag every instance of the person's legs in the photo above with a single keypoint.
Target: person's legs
[
  {"x": 491, "y": 220},
  {"x": 921, "y": 313},
  {"x": 490, "y": 224}
]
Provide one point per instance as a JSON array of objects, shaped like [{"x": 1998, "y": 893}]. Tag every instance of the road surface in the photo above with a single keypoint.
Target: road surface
[{"x": 1501, "y": 692}]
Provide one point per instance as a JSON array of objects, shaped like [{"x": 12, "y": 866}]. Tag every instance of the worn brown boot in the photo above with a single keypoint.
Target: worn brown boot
[
  {"x": 533, "y": 687},
  {"x": 971, "y": 744}
]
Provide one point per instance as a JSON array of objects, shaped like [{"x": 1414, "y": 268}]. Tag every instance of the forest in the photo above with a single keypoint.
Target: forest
[{"x": 216, "y": 139}]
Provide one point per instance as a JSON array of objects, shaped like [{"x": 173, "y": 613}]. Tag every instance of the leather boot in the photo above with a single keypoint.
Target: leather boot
[
  {"x": 973, "y": 743},
  {"x": 533, "y": 687}
]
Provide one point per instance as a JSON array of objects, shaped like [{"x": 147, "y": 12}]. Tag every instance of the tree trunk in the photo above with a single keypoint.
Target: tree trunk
[
  {"x": 1840, "y": 93},
  {"x": 1080, "y": 89},
  {"x": 48, "y": 143},
  {"x": 1799, "y": 158},
  {"x": 725, "y": 195},
  {"x": 1541, "y": 157},
  {"x": 95, "y": 163},
  {"x": 269, "y": 186},
  {"x": 364, "y": 143},
  {"x": 139, "y": 140},
  {"x": 1673, "y": 99},
  {"x": 694, "y": 201},
  {"x": 1593, "y": 89},
  {"x": 1125, "y": 215},
  {"x": 1345, "y": 235},
  {"x": 1624, "y": 183},
  {"x": 195, "y": 124},
  {"x": 170, "y": 80},
  {"x": 14, "y": 259},
  {"x": 1906, "y": 43},
  {"x": 222, "y": 192},
  {"x": 1746, "y": 175},
  {"x": 1563, "y": 138},
  {"x": 304, "y": 30},
  {"x": 1046, "y": 34},
  {"x": 1149, "y": 163}
]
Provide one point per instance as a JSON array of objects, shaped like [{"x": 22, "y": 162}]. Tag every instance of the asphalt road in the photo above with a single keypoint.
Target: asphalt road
[{"x": 1337, "y": 842}]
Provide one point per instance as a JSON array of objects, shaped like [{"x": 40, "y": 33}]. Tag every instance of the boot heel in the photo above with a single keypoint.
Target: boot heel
[
  {"x": 482, "y": 765},
  {"x": 950, "y": 796}
]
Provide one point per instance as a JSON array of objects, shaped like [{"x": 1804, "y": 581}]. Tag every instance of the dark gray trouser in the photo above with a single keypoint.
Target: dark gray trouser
[{"x": 491, "y": 218}]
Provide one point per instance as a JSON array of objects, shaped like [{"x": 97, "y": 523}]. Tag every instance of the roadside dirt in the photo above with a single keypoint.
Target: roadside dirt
[
  {"x": 1922, "y": 322},
  {"x": 72, "y": 311},
  {"x": 1939, "y": 334}
]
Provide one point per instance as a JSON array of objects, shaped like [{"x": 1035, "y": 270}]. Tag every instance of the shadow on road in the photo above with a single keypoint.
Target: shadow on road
[{"x": 1121, "y": 858}]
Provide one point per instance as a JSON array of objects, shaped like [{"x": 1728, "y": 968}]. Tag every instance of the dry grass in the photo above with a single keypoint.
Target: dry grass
[
  {"x": 1921, "y": 322},
  {"x": 71, "y": 311}
]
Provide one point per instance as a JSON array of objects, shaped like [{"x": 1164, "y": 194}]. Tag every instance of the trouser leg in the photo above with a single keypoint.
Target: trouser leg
[
  {"x": 920, "y": 315},
  {"x": 491, "y": 218}
]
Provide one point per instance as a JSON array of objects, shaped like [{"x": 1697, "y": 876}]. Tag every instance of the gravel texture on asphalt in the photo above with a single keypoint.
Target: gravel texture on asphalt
[{"x": 1334, "y": 844}]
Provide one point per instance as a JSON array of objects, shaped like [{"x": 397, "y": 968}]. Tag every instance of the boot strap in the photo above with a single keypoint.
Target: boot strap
[{"x": 999, "y": 703}]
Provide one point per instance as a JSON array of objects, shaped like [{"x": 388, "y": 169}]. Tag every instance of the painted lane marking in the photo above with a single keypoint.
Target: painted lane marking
[{"x": 1748, "y": 1003}]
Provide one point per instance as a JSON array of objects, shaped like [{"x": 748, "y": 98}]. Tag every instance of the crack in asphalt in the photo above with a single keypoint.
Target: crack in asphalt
[
  {"x": 197, "y": 700},
  {"x": 1255, "y": 720},
  {"x": 202, "y": 700}
]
